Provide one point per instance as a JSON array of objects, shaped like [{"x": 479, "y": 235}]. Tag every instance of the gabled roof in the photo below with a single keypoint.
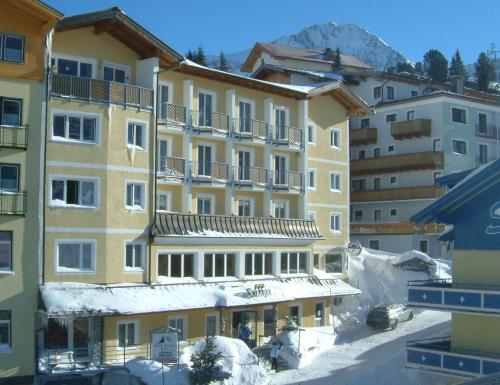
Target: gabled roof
[
  {"x": 38, "y": 10},
  {"x": 481, "y": 179},
  {"x": 281, "y": 51},
  {"x": 265, "y": 69},
  {"x": 452, "y": 180},
  {"x": 115, "y": 22}
]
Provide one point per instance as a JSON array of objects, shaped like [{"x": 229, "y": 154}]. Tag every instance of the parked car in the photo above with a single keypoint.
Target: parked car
[{"x": 388, "y": 316}]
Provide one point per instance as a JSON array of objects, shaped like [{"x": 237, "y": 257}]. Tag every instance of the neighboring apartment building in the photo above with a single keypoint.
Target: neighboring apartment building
[
  {"x": 176, "y": 196},
  {"x": 25, "y": 32},
  {"x": 473, "y": 295}
]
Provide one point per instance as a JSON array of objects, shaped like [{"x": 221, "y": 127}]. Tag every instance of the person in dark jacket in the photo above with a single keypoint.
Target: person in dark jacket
[{"x": 245, "y": 333}]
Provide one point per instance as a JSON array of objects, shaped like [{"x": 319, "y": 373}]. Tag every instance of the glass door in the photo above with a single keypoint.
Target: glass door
[
  {"x": 162, "y": 154},
  {"x": 319, "y": 314},
  {"x": 279, "y": 169},
  {"x": 280, "y": 124},
  {"x": 483, "y": 153},
  {"x": 245, "y": 116},
  {"x": 244, "y": 165},
  {"x": 205, "y": 105},
  {"x": 204, "y": 160}
]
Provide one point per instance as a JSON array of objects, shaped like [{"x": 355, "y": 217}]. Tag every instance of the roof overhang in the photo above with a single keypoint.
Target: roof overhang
[{"x": 37, "y": 10}]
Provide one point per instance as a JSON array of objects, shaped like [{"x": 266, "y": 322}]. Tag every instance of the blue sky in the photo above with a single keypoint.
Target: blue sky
[{"x": 411, "y": 27}]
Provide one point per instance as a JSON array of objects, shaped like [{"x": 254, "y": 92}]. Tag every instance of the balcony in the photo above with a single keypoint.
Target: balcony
[
  {"x": 13, "y": 203},
  {"x": 101, "y": 91},
  {"x": 402, "y": 228},
  {"x": 488, "y": 131},
  {"x": 14, "y": 136},
  {"x": 172, "y": 168},
  {"x": 395, "y": 194},
  {"x": 411, "y": 129},
  {"x": 173, "y": 113},
  {"x": 252, "y": 129},
  {"x": 430, "y": 160},
  {"x": 438, "y": 355},
  {"x": 254, "y": 177},
  {"x": 443, "y": 294},
  {"x": 211, "y": 172},
  {"x": 361, "y": 136},
  {"x": 288, "y": 136},
  {"x": 287, "y": 180},
  {"x": 209, "y": 122}
]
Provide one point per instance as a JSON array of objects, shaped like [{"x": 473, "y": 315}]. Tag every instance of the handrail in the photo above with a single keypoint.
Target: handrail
[
  {"x": 13, "y": 203},
  {"x": 14, "y": 136}
]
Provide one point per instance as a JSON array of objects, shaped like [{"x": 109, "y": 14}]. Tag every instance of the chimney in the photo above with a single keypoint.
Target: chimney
[{"x": 457, "y": 84}]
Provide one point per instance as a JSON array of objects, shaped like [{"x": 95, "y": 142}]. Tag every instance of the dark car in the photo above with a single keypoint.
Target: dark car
[{"x": 388, "y": 316}]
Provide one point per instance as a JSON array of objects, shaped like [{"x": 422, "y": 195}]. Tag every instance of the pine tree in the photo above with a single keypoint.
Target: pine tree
[
  {"x": 190, "y": 55},
  {"x": 484, "y": 71},
  {"x": 436, "y": 66},
  {"x": 204, "y": 369},
  {"x": 457, "y": 67},
  {"x": 328, "y": 55},
  {"x": 200, "y": 57},
  {"x": 223, "y": 64},
  {"x": 405, "y": 67},
  {"x": 337, "y": 63},
  {"x": 419, "y": 68}
]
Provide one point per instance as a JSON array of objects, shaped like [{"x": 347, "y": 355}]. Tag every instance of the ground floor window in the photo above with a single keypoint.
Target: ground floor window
[
  {"x": 374, "y": 244},
  {"x": 128, "y": 333},
  {"x": 294, "y": 314},
  {"x": 67, "y": 334},
  {"x": 333, "y": 263},
  {"x": 258, "y": 263},
  {"x": 319, "y": 314},
  {"x": 269, "y": 324},
  {"x": 211, "y": 325},
  {"x": 179, "y": 324},
  {"x": 176, "y": 265},
  {"x": 219, "y": 265},
  {"x": 5, "y": 330},
  {"x": 293, "y": 263}
]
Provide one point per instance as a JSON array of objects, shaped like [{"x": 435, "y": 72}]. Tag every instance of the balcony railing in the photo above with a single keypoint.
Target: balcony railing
[
  {"x": 286, "y": 135},
  {"x": 209, "y": 171},
  {"x": 173, "y": 113},
  {"x": 394, "y": 163},
  {"x": 402, "y": 228},
  {"x": 480, "y": 160},
  {"x": 285, "y": 179},
  {"x": 394, "y": 194},
  {"x": 13, "y": 203},
  {"x": 362, "y": 136},
  {"x": 172, "y": 167},
  {"x": 487, "y": 131},
  {"x": 411, "y": 128},
  {"x": 212, "y": 122},
  {"x": 251, "y": 129},
  {"x": 14, "y": 136},
  {"x": 438, "y": 354},
  {"x": 251, "y": 176},
  {"x": 101, "y": 91}
]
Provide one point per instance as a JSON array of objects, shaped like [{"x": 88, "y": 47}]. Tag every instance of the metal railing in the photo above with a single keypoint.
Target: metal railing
[
  {"x": 101, "y": 91},
  {"x": 438, "y": 282},
  {"x": 173, "y": 113},
  {"x": 213, "y": 122},
  {"x": 213, "y": 171},
  {"x": 172, "y": 167},
  {"x": 250, "y": 128},
  {"x": 487, "y": 131},
  {"x": 13, "y": 203},
  {"x": 14, "y": 136},
  {"x": 258, "y": 176},
  {"x": 288, "y": 179},
  {"x": 288, "y": 135}
]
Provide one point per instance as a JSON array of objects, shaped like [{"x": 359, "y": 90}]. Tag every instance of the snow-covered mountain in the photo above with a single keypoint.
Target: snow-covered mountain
[{"x": 350, "y": 38}]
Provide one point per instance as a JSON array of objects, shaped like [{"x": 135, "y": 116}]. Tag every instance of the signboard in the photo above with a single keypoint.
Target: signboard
[
  {"x": 354, "y": 248},
  {"x": 164, "y": 346}
]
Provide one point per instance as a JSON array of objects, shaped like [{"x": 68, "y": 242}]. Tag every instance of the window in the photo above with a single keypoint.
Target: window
[
  {"x": 219, "y": 265},
  {"x": 311, "y": 134},
  {"x": 483, "y": 154},
  {"x": 12, "y": 48},
  {"x": 135, "y": 196},
  {"x": 165, "y": 98},
  {"x": 358, "y": 185},
  {"x": 377, "y": 183},
  {"x": 281, "y": 120},
  {"x": 78, "y": 192},
  {"x": 482, "y": 123},
  {"x": 376, "y": 152},
  {"x": 458, "y": 115},
  {"x": 72, "y": 67},
  {"x": 358, "y": 215},
  {"x": 316, "y": 261},
  {"x": 436, "y": 144},
  {"x": 10, "y": 112},
  {"x": 5, "y": 251},
  {"x": 280, "y": 209},
  {"x": 361, "y": 154},
  {"x": 114, "y": 74},
  {"x": 245, "y": 207},
  {"x": 293, "y": 263},
  {"x": 333, "y": 263},
  {"x": 377, "y": 215},
  {"x": 206, "y": 107},
  {"x": 394, "y": 213},
  {"x": 75, "y": 128},
  {"x": 391, "y": 118},
  {"x": 134, "y": 256},
  {"x": 179, "y": 324},
  {"x": 163, "y": 201},
  {"x": 128, "y": 333},
  {"x": 437, "y": 175},
  {"x": 205, "y": 154},
  {"x": 335, "y": 138},
  {"x": 393, "y": 180},
  {"x": 5, "y": 331},
  {"x": 211, "y": 325},
  {"x": 246, "y": 115},
  {"x": 377, "y": 92},
  {"x": 312, "y": 179},
  {"x": 9, "y": 177},
  {"x": 424, "y": 246},
  {"x": 335, "y": 181},
  {"x": 176, "y": 265},
  {"x": 390, "y": 92},
  {"x": 413, "y": 93},
  {"x": 365, "y": 122},
  {"x": 335, "y": 223},
  {"x": 374, "y": 245},
  {"x": 390, "y": 148},
  {"x": 410, "y": 115},
  {"x": 75, "y": 256},
  {"x": 258, "y": 264},
  {"x": 459, "y": 146},
  {"x": 205, "y": 205},
  {"x": 136, "y": 135}
]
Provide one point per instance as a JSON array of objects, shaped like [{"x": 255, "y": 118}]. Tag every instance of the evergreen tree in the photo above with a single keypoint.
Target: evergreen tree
[
  {"x": 328, "y": 55},
  {"x": 190, "y": 55},
  {"x": 405, "y": 67},
  {"x": 484, "y": 71},
  {"x": 419, "y": 68},
  {"x": 223, "y": 64},
  {"x": 204, "y": 369},
  {"x": 436, "y": 66},
  {"x": 199, "y": 56},
  {"x": 337, "y": 63},
  {"x": 457, "y": 67}
]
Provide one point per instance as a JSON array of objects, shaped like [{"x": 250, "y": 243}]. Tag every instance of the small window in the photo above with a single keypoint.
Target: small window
[
  {"x": 361, "y": 154},
  {"x": 374, "y": 244},
  {"x": 335, "y": 181},
  {"x": 335, "y": 138},
  {"x": 219, "y": 265},
  {"x": 5, "y": 250},
  {"x": 179, "y": 324},
  {"x": 204, "y": 205},
  {"x": 358, "y": 216},
  {"x": 128, "y": 334},
  {"x": 135, "y": 196},
  {"x": 377, "y": 152},
  {"x": 393, "y": 180},
  {"x": 72, "y": 67},
  {"x": 280, "y": 209},
  {"x": 9, "y": 177},
  {"x": 311, "y": 134},
  {"x": 312, "y": 179},
  {"x": 391, "y": 118},
  {"x": 12, "y": 48},
  {"x": 75, "y": 257},
  {"x": 365, "y": 122},
  {"x": 176, "y": 265},
  {"x": 245, "y": 208},
  {"x": 394, "y": 213},
  {"x": 316, "y": 261},
  {"x": 436, "y": 144},
  {"x": 258, "y": 264},
  {"x": 5, "y": 331},
  {"x": 413, "y": 93},
  {"x": 459, "y": 146},
  {"x": 377, "y": 92},
  {"x": 377, "y": 183},
  {"x": 482, "y": 123},
  {"x": 358, "y": 185},
  {"x": 163, "y": 201},
  {"x": 335, "y": 223},
  {"x": 390, "y": 92},
  {"x": 136, "y": 135},
  {"x": 74, "y": 128},
  {"x": 134, "y": 256},
  {"x": 410, "y": 115},
  {"x": 293, "y": 263},
  {"x": 424, "y": 246},
  {"x": 390, "y": 148},
  {"x": 77, "y": 192},
  {"x": 10, "y": 112},
  {"x": 377, "y": 215},
  {"x": 458, "y": 115}
]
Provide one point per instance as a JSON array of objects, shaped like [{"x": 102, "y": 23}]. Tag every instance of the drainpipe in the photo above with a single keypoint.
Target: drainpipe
[{"x": 382, "y": 89}]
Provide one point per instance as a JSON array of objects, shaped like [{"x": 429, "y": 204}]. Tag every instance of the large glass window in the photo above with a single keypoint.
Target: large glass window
[
  {"x": 75, "y": 128},
  {"x": 5, "y": 330},
  {"x": 204, "y": 205},
  {"x": 127, "y": 334},
  {"x": 73, "y": 67},
  {"x": 244, "y": 207},
  {"x": 205, "y": 101},
  {"x": 258, "y": 264},
  {"x": 219, "y": 265},
  {"x": 74, "y": 192},
  {"x": 75, "y": 256},
  {"x": 114, "y": 74},
  {"x": 12, "y": 48},
  {"x": 176, "y": 265},
  {"x": 245, "y": 116},
  {"x": 9, "y": 177},
  {"x": 5, "y": 250},
  {"x": 293, "y": 263},
  {"x": 280, "y": 209},
  {"x": 10, "y": 112},
  {"x": 333, "y": 263}
]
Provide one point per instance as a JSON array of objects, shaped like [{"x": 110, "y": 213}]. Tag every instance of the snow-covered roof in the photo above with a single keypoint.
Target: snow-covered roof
[
  {"x": 410, "y": 255},
  {"x": 69, "y": 298}
]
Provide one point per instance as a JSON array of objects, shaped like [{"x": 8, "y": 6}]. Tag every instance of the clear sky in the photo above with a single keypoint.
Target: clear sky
[{"x": 412, "y": 27}]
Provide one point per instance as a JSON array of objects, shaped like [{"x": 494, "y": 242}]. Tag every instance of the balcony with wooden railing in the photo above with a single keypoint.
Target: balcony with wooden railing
[
  {"x": 395, "y": 194},
  {"x": 172, "y": 167},
  {"x": 101, "y": 91},
  {"x": 251, "y": 177},
  {"x": 214, "y": 172},
  {"x": 362, "y": 136},
  {"x": 401, "y": 228},
  {"x": 172, "y": 113},
  {"x": 252, "y": 129},
  {"x": 287, "y": 180},
  {"x": 429, "y": 160},
  {"x": 488, "y": 131},
  {"x": 209, "y": 122},
  {"x": 414, "y": 128},
  {"x": 14, "y": 136},
  {"x": 288, "y": 136}
]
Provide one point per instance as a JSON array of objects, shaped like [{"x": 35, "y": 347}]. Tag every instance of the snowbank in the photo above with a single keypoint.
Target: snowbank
[{"x": 149, "y": 372}]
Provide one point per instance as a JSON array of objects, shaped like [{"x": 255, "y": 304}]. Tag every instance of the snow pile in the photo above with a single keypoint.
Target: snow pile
[{"x": 150, "y": 372}]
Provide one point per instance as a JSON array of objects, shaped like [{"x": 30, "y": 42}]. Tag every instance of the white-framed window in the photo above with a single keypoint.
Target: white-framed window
[
  {"x": 137, "y": 134},
  {"x": 459, "y": 146},
  {"x": 115, "y": 72},
  {"x": 211, "y": 324},
  {"x": 219, "y": 265},
  {"x": 75, "y": 255},
  {"x": 11, "y": 48},
  {"x": 246, "y": 114},
  {"x": 74, "y": 65},
  {"x": 410, "y": 115},
  {"x": 374, "y": 244},
  {"x": 311, "y": 215},
  {"x": 281, "y": 209},
  {"x": 75, "y": 127},
  {"x": 311, "y": 179},
  {"x": 177, "y": 265},
  {"x": 393, "y": 213},
  {"x": 205, "y": 204},
  {"x": 165, "y": 97},
  {"x": 335, "y": 182},
  {"x": 311, "y": 133},
  {"x": 377, "y": 215},
  {"x": 293, "y": 262},
  {"x": 281, "y": 120},
  {"x": 458, "y": 115},
  {"x": 74, "y": 191},
  {"x": 390, "y": 148},
  {"x": 5, "y": 331},
  {"x": 393, "y": 180},
  {"x": 335, "y": 222},
  {"x": 246, "y": 207},
  {"x": 207, "y": 104},
  {"x": 377, "y": 92},
  {"x": 179, "y": 323},
  {"x": 391, "y": 118},
  {"x": 377, "y": 152},
  {"x": 365, "y": 123},
  {"x": 258, "y": 264},
  {"x": 5, "y": 251},
  {"x": 11, "y": 112},
  {"x": 335, "y": 138},
  {"x": 390, "y": 92},
  {"x": 127, "y": 333},
  {"x": 135, "y": 195},
  {"x": 358, "y": 216},
  {"x": 163, "y": 201},
  {"x": 9, "y": 177},
  {"x": 135, "y": 256}
]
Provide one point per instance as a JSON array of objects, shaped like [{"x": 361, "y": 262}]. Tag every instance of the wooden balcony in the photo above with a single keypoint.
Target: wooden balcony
[
  {"x": 430, "y": 160},
  {"x": 401, "y": 228},
  {"x": 396, "y": 194},
  {"x": 361, "y": 136},
  {"x": 411, "y": 129}
]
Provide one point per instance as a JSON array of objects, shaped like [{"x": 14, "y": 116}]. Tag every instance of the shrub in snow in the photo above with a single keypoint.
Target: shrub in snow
[{"x": 206, "y": 367}]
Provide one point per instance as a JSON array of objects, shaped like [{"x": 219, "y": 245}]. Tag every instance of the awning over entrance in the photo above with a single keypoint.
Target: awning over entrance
[{"x": 72, "y": 299}]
